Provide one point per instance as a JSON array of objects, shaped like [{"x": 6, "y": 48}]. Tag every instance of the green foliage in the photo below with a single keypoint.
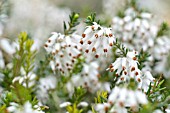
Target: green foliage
[
  {"x": 121, "y": 14},
  {"x": 72, "y": 24},
  {"x": 142, "y": 58},
  {"x": 24, "y": 57},
  {"x": 163, "y": 29},
  {"x": 155, "y": 90},
  {"x": 78, "y": 66},
  {"x": 7, "y": 79},
  {"x": 76, "y": 98},
  {"x": 101, "y": 97},
  {"x": 78, "y": 95},
  {"x": 92, "y": 18},
  {"x": 123, "y": 50},
  {"x": 74, "y": 109},
  {"x": 21, "y": 94}
]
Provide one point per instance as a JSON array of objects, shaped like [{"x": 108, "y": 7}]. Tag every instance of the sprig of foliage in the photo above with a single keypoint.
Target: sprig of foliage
[
  {"x": 72, "y": 24},
  {"x": 142, "y": 58},
  {"x": 23, "y": 57},
  {"x": 78, "y": 65},
  {"x": 92, "y": 18},
  {"x": 101, "y": 97},
  {"x": 163, "y": 29},
  {"x": 123, "y": 50},
  {"x": 154, "y": 91},
  {"x": 77, "y": 97}
]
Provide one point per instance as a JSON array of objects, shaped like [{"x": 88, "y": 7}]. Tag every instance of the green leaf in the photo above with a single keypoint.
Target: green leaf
[{"x": 20, "y": 93}]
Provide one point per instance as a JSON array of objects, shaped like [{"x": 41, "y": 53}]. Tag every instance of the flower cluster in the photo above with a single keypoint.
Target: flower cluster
[
  {"x": 97, "y": 40},
  {"x": 27, "y": 108},
  {"x": 127, "y": 67},
  {"x": 64, "y": 51},
  {"x": 135, "y": 29},
  {"x": 88, "y": 78},
  {"x": 120, "y": 98}
]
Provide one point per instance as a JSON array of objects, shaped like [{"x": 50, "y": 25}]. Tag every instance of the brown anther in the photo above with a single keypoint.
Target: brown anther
[
  {"x": 136, "y": 73},
  {"x": 133, "y": 68},
  {"x": 86, "y": 50},
  {"x": 57, "y": 64},
  {"x": 123, "y": 67},
  {"x": 92, "y": 27},
  {"x": 134, "y": 58},
  {"x": 111, "y": 44},
  {"x": 139, "y": 80},
  {"x": 70, "y": 54},
  {"x": 72, "y": 60},
  {"x": 85, "y": 83},
  {"x": 110, "y": 102},
  {"x": 81, "y": 49},
  {"x": 45, "y": 45},
  {"x": 97, "y": 56},
  {"x": 105, "y": 50},
  {"x": 53, "y": 53},
  {"x": 117, "y": 75},
  {"x": 110, "y": 66},
  {"x": 125, "y": 72},
  {"x": 93, "y": 49},
  {"x": 67, "y": 64},
  {"x": 83, "y": 35},
  {"x": 69, "y": 45},
  {"x": 106, "y": 108},
  {"x": 121, "y": 104},
  {"x": 110, "y": 35},
  {"x": 69, "y": 69},
  {"x": 111, "y": 70},
  {"x": 76, "y": 47},
  {"x": 81, "y": 42},
  {"x": 56, "y": 51},
  {"x": 74, "y": 57},
  {"x": 96, "y": 35},
  {"x": 49, "y": 41},
  {"x": 89, "y": 42},
  {"x": 98, "y": 75},
  {"x": 122, "y": 78},
  {"x": 78, "y": 55},
  {"x": 61, "y": 56}
]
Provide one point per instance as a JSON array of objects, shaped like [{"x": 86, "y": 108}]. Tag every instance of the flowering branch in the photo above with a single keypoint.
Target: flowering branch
[{"x": 72, "y": 23}]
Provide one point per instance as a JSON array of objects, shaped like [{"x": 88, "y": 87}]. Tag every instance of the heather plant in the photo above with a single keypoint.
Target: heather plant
[{"x": 99, "y": 70}]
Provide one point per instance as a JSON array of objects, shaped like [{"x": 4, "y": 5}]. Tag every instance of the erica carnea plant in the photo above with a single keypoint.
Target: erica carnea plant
[{"x": 117, "y": 69}]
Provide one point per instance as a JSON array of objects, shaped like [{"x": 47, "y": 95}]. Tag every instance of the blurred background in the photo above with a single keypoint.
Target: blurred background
[{"x": 41, "y": 17}]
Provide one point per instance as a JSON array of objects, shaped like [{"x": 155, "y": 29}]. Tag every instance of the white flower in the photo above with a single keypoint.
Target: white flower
[
  {"x": 23, "y": 78},
  {"x": 88, "y": 78},
  {"x": 147, "y": 78},
  {"x": 122, "y": 97},
  {"x": 137, "y": 32},
  {"x": 26, "y": 108},
  {"x": 102, "y": 108},
  {"x": 65, "y": 104},
  {"x": 8, "y": 47},
  {"x": 45, "y": 85},
  {"x": 98, "y": 40},
  {"x": 126, "y": 67},
  {"x": 83, "y": 104},
  {"x": 64, "y": 50}
]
